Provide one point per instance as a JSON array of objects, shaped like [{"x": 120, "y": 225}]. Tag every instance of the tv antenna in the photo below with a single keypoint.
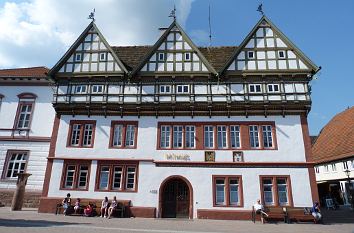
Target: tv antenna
[
  {"x": 260, "y": 9},
  {"x": 209, "y": 27},
  {"x": 173, "y": 13},
  {"x": 92, "y": 15}
]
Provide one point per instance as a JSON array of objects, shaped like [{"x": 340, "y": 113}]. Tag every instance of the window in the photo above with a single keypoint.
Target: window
[
  {"x": 352, "y": 164},
  {"x": 1, "y": 97},
  {"x": 255, "y": 88},
  {"x": 78, "y": 57},
  {"x": 102, "y": 56},
  {"x": 190, "y": 136},
  {"x": 117, "y": 177},
  {"x": 345, "y": 165},
  {"x": 161, "y": 56},
  {"x": 182, "y": 89},
  {"x": 182, "y": 136},
  {"x": 267, "y": 136},
  {"x": 281, "y": 54},
  {"x": 177, "y": 136},
  {"x": 250, "y": 55},
  {"x": 227, "y": 190},
  {"x": 273, "y": 88},
  {"x": 254, "y": 136},
  {"x": 326, "y": 168},
  {"x": 124, "y": 134},
  {"x": 221, "y": 136},
  {"x": 24, "y": 117},
  {"x": 334, "y": 168},
  {"x": 80, "y": 89},
  {"x": 76, "y": 175},
  {"x": 317, "y": 169},
  {"x": 164, "y": 89},
  {"x": 187, "y": 56},
  {"x": 81, "y": 133},
  {"x": 15, "y": 163},
  {"x": 235, "y": 136},
  {"x": 96, "y": 89},
  {"x": 208, "y": 136},
  {"x": 276, "y": 191}
]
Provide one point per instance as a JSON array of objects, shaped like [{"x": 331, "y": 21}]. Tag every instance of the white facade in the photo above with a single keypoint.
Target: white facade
[{"x": 35, "y": 143}]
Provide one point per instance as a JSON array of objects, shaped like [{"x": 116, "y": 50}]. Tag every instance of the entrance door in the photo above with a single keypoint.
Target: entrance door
[{"x": 175, "y": 199}]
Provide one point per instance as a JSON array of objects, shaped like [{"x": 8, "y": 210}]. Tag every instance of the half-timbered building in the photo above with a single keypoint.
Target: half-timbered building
[{"x": 180, "y": 130}]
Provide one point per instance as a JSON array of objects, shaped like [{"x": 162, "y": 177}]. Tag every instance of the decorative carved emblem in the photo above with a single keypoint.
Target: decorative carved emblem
[
  {"x": 237, "y": 156},
  {"x": 209, "y": 156}
]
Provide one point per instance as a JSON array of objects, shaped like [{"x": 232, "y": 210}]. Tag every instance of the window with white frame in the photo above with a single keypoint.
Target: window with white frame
[
  {"x": 88, "y": 131},
  {"x": 234, "y": 191},
  {"x": 161, "y": 56},
  {"x": 272, "y": 88},
  {"x": 165, "y": 89},
  {"x": 117, "y": 177},
  {"x": 222, "y": 140},
  {"x": 187, "y": 56},
  {"x": 352, "y": 164},
  {"x": 317, "y": 169},
  {"x": 104, "y": 178},
  {"x": 81, "y": 134},
  {"x": 235, "y": 136},
  {"x": 83, "y": 177},
  {"x": 208, "y": 136},
  {"x": 281, "y": 54},
  {"x": 254, "y": 136},
  {"x": 250, "y": 54},
  {"x": 165, "y": 135},
  {"x": 102, "y": 56},
  {"x": 182, "y": 89},
  {"x": 282, "y": 191},
  {"x": 130, "y": 182},
  {"x": 78, "y": 57},
  {"x": 75, "y": 135},
  {"x": 345, "y": 165},
  {"x": 124, "y": 135},
  {"x": 255, "y": 88},
  {"x": 70, "y": 175},
  {"x": 130, "y": 136},
  {"x": 326, "y": 168},
  {"x": 80, "y": 89},
  {"x": 24, "y": 116},
  {"x": 97, "y": 89},
  {"x": 118, "y": 135},
  {"x": 220, "y": 191},
  {"x": 16, "y": 163},
  {"x": 334, "y": 168},
  {"x": 177, "y": 136},
  {"x": 267, "y": 136},
  {"x": 190, "y": 136},
  {"x": 76, "y": 175},
  {"x": 268, "y": 191}
]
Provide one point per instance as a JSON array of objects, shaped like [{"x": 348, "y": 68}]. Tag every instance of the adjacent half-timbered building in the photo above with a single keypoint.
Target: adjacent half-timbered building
[
  {"x": 183, "y": 131},
  {"x": 26, "y": 122}
]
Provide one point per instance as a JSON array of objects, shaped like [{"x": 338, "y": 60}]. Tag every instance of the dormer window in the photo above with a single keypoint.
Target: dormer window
[
  {"x": 187, "y": 56},
  {"x": 182, "y": 89},
  {"x": 281, "y": 54},
  {"x": 161, "y": 56},
  {"x": 102, "y": 56},
  {"x": 250, "y": 55},
  {"x": 78, "y": 57}
]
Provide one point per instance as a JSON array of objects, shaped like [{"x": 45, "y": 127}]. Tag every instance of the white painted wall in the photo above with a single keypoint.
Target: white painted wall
[
  {"x": 288, "y": 133},
  {"x": 151, "y": 177},
  {"x": 338, "y": 173}
]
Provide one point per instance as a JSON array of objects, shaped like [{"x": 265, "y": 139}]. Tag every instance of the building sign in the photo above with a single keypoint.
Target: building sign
[
  {"x": 237, "y": 156},
  {"x": 209, "y": 156},
  {"x": 180, "y": 157}
]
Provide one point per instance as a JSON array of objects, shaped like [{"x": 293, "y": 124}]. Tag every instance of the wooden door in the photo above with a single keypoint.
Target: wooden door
[{"x": 175, "y": 200}]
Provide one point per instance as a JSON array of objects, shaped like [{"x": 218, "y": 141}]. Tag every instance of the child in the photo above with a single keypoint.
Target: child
[
  {"x": 112, "y": 207},
  {"x": 66, "y": 203},
  {"x": 77, "y": 206},
  {"x": 104, "y": 207},
  {"x": 88, "y": 210}
]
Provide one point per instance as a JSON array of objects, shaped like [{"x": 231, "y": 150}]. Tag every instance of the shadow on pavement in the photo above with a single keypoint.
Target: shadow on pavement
[
  {"x": 342, "y": 215},
  {"x": 31, "y": 223}
]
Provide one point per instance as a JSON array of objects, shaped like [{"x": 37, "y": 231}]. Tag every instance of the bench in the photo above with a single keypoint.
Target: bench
[
  {"x": 299, "y": 214},
  {"x": 271, "y": 213}
]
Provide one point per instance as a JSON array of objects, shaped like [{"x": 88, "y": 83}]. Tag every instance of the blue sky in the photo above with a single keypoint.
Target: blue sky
[{"x": 38, "y": 32}]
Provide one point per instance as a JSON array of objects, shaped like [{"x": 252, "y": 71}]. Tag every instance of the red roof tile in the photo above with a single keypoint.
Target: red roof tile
[
  {"x": 336, "y": 140},
  {"x": 25, "y": 72}
]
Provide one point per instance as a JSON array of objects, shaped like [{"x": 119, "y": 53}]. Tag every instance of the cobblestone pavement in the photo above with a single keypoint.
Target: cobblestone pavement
[{"x": 29, "y": 221}]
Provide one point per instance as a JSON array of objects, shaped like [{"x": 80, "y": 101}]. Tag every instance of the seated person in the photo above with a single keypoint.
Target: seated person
[
  {"x": 316, "y": 212},
  {"x": 88, "y": 210},
  {"x": 104, "y": 207},
  {"x": 66, "y": 204},
  {"x": 259, "y": 209},
  {"x": 113, "y": 206},
  {"x": 77, "y": 206}
]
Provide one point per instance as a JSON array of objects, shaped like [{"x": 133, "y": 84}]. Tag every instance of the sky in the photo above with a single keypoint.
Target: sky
[{"x": 38, "y": 32}]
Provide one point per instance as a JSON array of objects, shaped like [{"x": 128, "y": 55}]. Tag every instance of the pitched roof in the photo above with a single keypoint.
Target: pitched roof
[
  {"x": 131, "y": 56},
  {"x": 336, "y": 140},
  {"x": 37, "y": 72}
]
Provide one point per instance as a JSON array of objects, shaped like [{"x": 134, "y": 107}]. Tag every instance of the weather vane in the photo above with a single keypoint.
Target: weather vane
[
  {"x": 92, "y": 15},
  {"x": 260, "y": 9},
  {"x": 173, "y": 13}
]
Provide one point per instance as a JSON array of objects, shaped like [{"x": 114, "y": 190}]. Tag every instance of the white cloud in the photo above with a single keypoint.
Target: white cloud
[{"x": 38, "y": 32}]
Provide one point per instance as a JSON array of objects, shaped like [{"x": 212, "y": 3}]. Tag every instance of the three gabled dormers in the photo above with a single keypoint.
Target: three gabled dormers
[{"x": 265, "y": 50}]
